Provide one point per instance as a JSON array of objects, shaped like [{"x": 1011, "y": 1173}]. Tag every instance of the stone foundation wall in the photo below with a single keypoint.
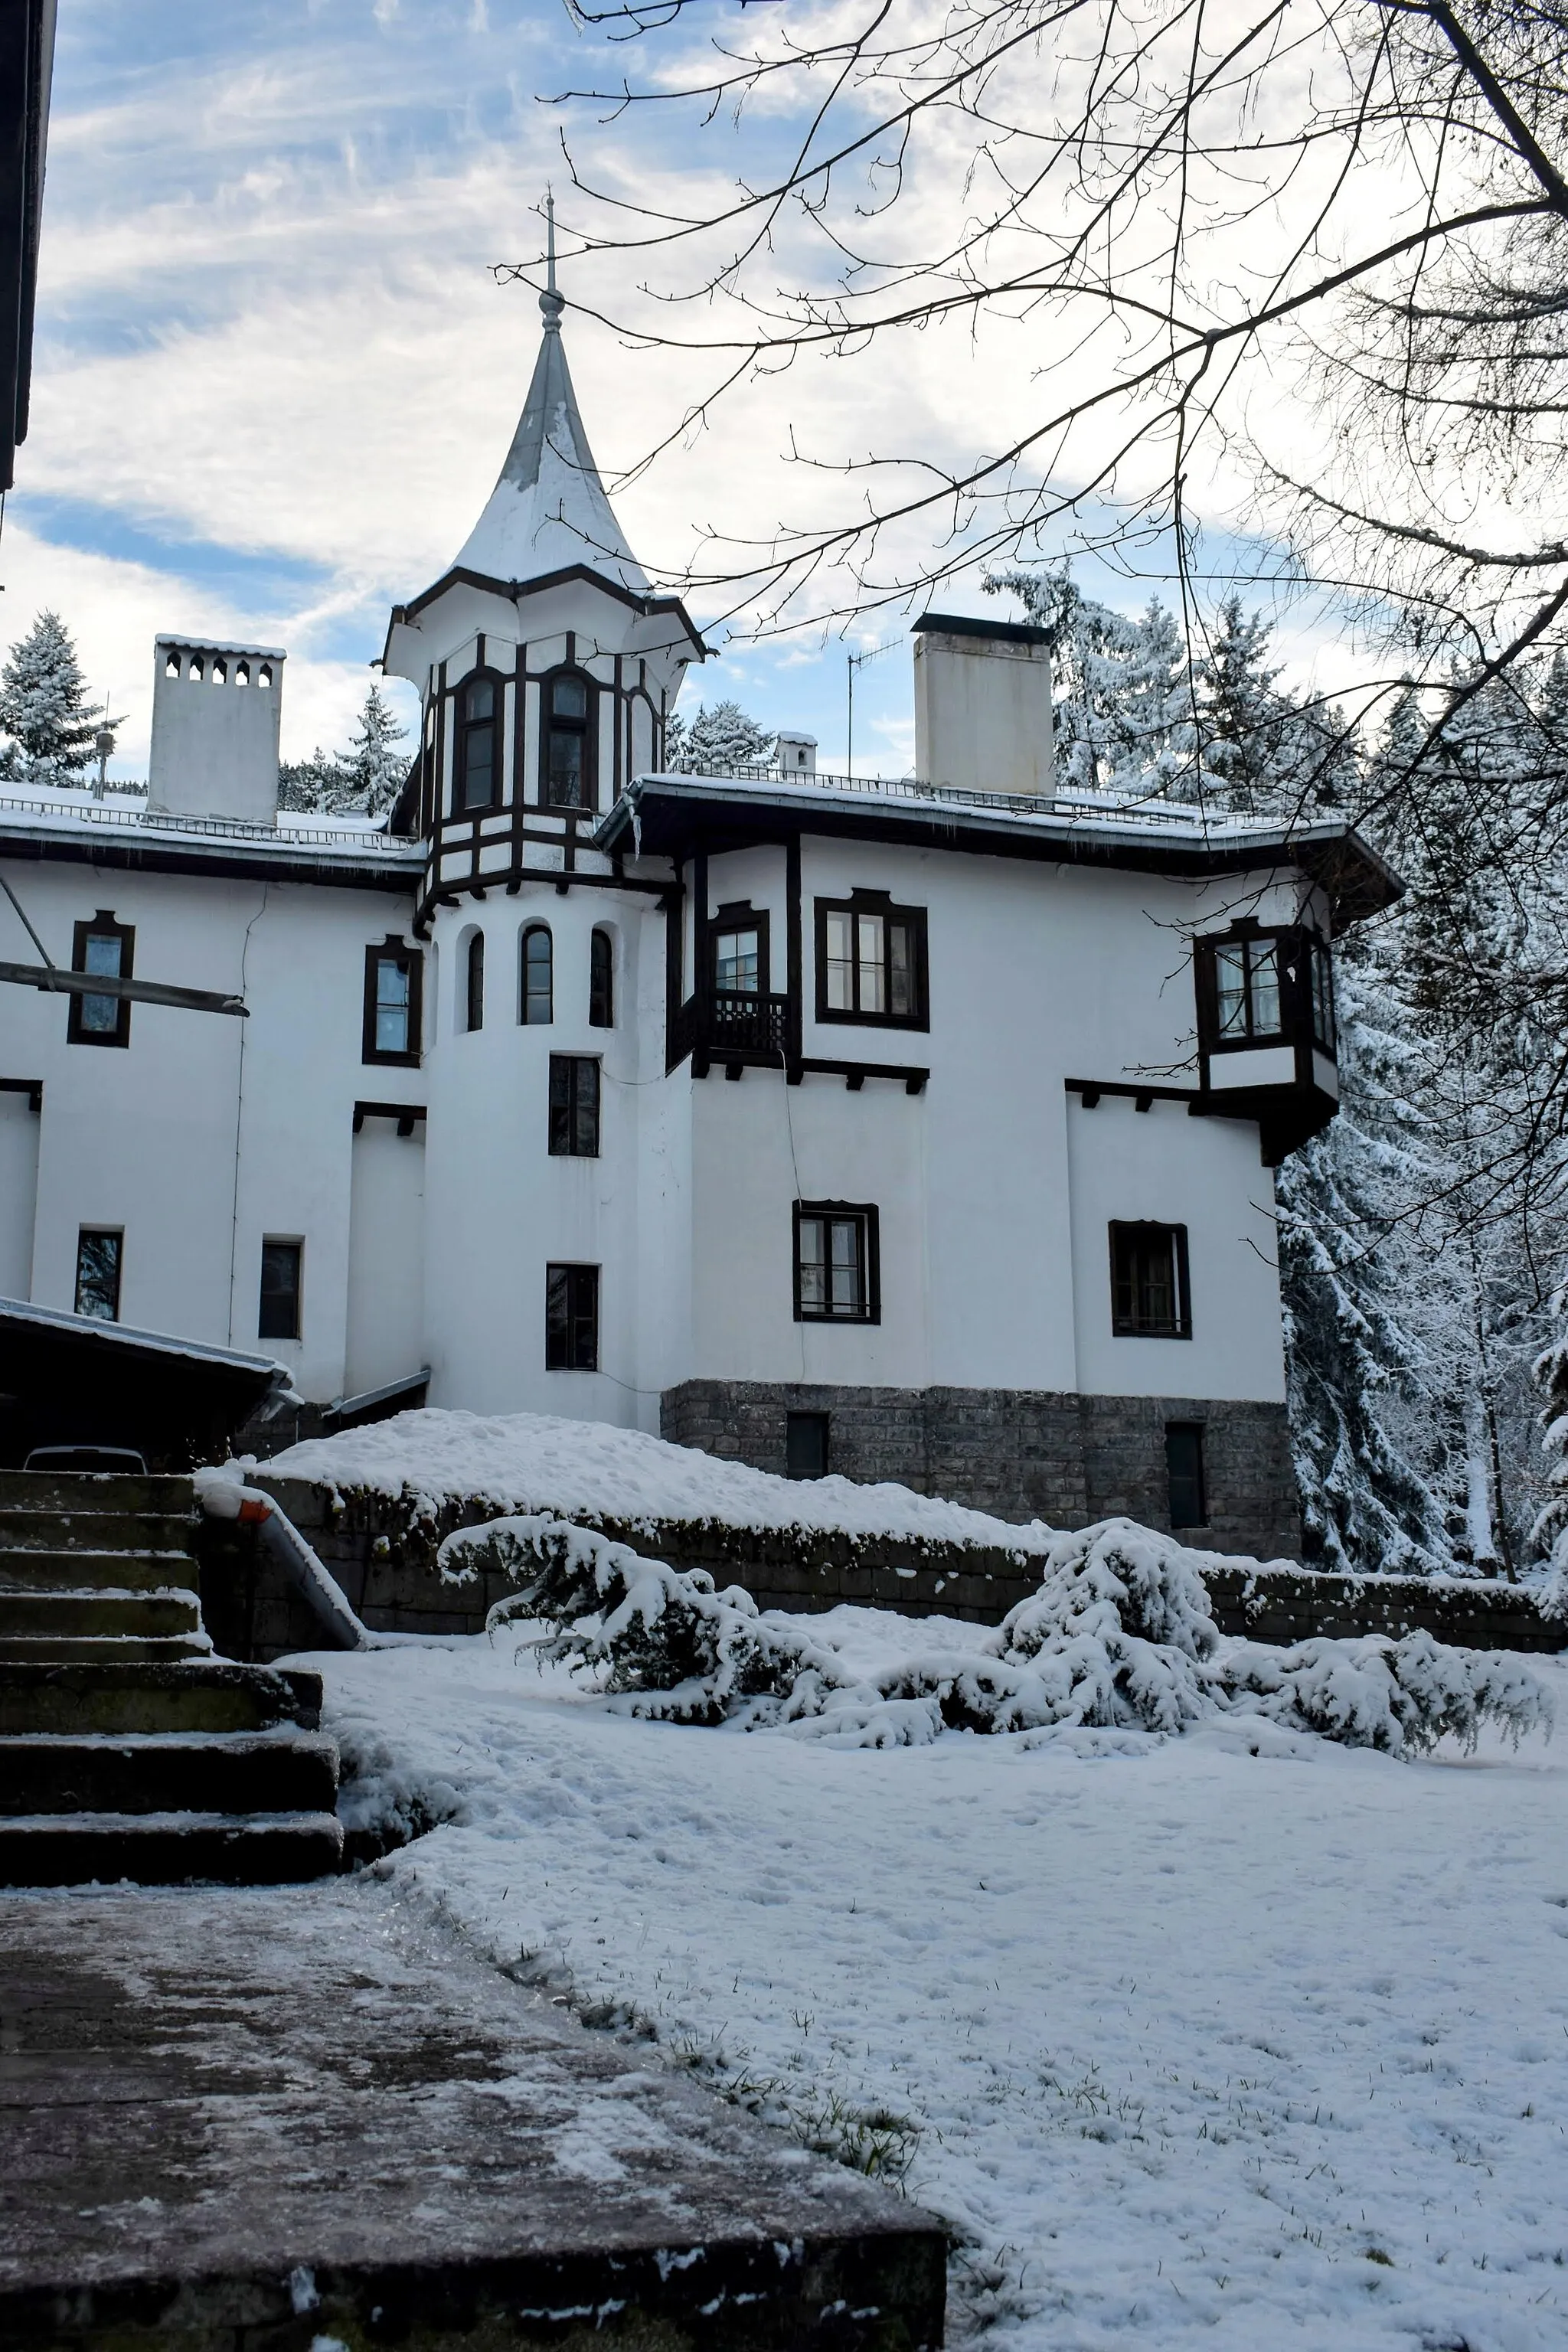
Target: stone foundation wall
[{"x": 1024, "y": 1454}]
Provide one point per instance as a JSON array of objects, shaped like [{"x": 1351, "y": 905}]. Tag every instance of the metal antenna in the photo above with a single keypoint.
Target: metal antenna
[{"x": 549, "y": 301}]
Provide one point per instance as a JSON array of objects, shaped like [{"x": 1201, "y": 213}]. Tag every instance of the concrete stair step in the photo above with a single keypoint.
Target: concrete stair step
[
  {"x": 75, "y": 1491},
  {"x": 283, "y": 1772},
  {"x": 129, "y": 1694},
  {"x": 96, "y": 1530},
  {"x": 88, "y": 1648},
  {"x": 169, "y": 1849},
  {"x": 103, "y": 1613},
  {"x": 76, "y": 1571}
]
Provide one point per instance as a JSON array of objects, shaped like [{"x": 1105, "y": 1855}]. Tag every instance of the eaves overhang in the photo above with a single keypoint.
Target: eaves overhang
[
  {"x": 512, "y": 592},
  {"x": 226, "y": 854},
  {"x": 673, "y": 815}
]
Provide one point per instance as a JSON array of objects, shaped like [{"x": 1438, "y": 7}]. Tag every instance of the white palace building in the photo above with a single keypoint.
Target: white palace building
[{"x": 919, "y": 1130}]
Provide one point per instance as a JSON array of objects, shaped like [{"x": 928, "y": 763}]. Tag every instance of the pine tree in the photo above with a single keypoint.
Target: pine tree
[
  {"x": 44, "y": 709},
  {"x": 1119, "y": 706},
  {"x": 314, "y": 787},
  {"x": 364, "y": 779},
  {"x": 723, "y": 737}
]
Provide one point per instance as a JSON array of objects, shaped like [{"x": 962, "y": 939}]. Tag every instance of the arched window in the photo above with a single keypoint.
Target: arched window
[
  {"x": 538, "y": 990},
  {"x": 479, "y": 742},
  {"x": 602, "y": 982},
  {"x": 477, "y": 981},
  {"x": 566, "y": 766}
]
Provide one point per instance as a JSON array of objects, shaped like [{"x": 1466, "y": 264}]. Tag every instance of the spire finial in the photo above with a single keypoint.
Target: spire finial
[{"x": 549, "y": 301}]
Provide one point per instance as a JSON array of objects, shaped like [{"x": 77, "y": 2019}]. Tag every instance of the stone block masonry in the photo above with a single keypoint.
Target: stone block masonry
[{"x": 1024, "y": 1454}]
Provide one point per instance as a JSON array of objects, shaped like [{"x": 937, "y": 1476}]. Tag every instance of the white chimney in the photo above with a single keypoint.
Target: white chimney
[
  {"x": 982, "y": 706},
  {"x": 796, "y": 756},
  {"x": 215, "y": 730}
]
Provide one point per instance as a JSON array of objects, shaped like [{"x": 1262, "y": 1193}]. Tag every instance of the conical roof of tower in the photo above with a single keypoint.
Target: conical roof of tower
[{"x": 548, "y": 510}]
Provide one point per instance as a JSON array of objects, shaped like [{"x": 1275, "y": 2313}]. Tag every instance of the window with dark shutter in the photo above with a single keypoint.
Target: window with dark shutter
[
  {"x": 571, "y": 1318},
  {"x": 574, "y": 1106}
]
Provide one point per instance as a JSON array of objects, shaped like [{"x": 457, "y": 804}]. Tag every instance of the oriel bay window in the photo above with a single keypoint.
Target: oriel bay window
[
  {"x": 1149, "y": 1296},
  {"x": 1257, "y": 987},
  {"x": 566, "y": 766},
  {"x": 107, "y": 946},
  {"x": 392, "y": 1002},
  {"x": 574, "y": 1106},
  {"x": 480, "y": 703},
  {"x": 1247, "y": 988},
  {"x": 837, "y": 1270},
  {"x": 872, "y": 961}
]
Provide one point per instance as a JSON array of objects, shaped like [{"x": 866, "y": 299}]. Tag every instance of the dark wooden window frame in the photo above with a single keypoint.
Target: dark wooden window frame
[
  {"x": 589, "y": 731},
  {"x": 115, "y": 1233},
  {"x": 102, "y": 926},
  {"x": 601, "y": 981},
  {"x": 567, "y": 1115},
  {"x": 393, "y": 950},
  {"x": 1129, "y": 1328},
  {"x": 534, "y": 931},
  {"x": 739, "y": 915},
  {"x": 474, "y": 982},
  {"x": 276, "y": 1242},
  {"x": 560, "y": 1347},
  {"x": 461, "y": 730},
  {"x": 865, "y": 1212},
  {"x": 873, "y": 902},
  {"x": 1297, "y": 947}
]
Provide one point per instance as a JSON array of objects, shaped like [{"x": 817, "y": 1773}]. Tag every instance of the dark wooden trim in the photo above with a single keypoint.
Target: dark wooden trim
[
  {"x": 32, "y": 1088},
  {"x": 865, "y": 1210},
  {"x": 515, "y": 591},
  {"x": 1092, "y": 1088},
  {"x": 795, "y": 949},
  {"x": 674, "y": 905},
  {"x": 405, "y": 1114},
  {"x": 103, "y": 924},
  {"x": 393, "y": 948},
  {"x": 1178, "y": 1235},
  {"x": 872, "y": 902}
]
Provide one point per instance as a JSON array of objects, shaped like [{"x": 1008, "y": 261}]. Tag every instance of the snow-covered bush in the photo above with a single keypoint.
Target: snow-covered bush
[{"x": 1118, "y": 1638}]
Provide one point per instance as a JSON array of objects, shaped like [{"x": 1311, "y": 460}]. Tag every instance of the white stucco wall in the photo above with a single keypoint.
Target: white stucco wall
[{"x": 18, "y": 1192}]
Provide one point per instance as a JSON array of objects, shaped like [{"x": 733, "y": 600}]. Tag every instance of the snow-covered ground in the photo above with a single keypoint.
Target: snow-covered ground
[{"x": 1193, "y": 2044}]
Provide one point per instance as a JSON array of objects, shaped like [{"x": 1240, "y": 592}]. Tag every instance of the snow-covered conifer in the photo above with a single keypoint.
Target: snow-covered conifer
[
  {"x": 43, "y": 708},
  {"x": 721, "y": 737},
  {"x": 375, "y": 767}
]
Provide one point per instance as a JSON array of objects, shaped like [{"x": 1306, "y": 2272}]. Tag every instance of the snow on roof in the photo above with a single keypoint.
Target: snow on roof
[
  {"x": 23, "y": 1313},
  {"x": 548, "y": 509},
  {"x": 532, "y": 1462},
  {"x": 124, "y": 815}
]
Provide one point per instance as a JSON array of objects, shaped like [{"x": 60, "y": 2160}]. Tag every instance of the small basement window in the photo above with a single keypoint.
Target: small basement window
[
  {"x": 107, "y": 946},
  {"x": 1148, "y": 1296},
  {"x": 806, "y": 1444},
  {"x": 571, "y": 1318},
  {"x": 837, "y": 1274},
  {"x": 1184, "y": 1469},
  {"x": 99, "y": 1253},
  {"x": 574, "y": 1106},
  {"x": 393, "y": 978},
  {"x": 283, "y": 1264}
]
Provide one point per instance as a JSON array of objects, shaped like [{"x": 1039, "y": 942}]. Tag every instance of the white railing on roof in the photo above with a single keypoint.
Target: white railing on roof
[
  {"x": 301, "y": 834},
  {"x": 1076, "y": 807}
]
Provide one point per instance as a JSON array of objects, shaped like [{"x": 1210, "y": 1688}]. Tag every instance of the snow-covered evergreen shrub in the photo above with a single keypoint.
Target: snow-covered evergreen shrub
[
  {"x": 43, "y": 708},
  {"x": 724, "y": 735},
  {"x": 1118, "y": 1638},
  {"x": 364, "y": 779}
]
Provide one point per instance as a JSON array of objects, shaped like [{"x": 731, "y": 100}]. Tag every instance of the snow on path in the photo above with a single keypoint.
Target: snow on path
[{"x": 1250, "y": 2049}]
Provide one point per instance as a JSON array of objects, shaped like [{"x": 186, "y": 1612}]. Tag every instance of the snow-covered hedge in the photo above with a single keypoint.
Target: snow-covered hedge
[{"x": 1118, "y": 1637}]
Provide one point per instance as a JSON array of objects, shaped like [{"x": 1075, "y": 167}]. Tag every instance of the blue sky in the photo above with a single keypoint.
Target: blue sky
[{"x": 275, "y": 377}]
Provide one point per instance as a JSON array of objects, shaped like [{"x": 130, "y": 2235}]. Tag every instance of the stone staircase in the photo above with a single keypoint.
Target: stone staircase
[{"x": 126, "y": 1749}]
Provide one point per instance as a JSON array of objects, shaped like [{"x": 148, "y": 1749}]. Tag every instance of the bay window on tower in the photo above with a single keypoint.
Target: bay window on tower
[
  {"x": 566, "y": 763},
  {"x": 478, "y": 765}
]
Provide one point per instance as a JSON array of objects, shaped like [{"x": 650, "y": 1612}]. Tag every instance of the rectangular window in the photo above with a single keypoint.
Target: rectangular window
[
  {"x": 107, "y": 946},
  {"x": 806, "y": 1445},
  {"x": 837, "y": 1274},
  {"x": 1149, "y": 1282},
  {"x": 1322, "y": 994},
  {"x": 282, "y": 1264},
  {"x": 738, "y": 962},
  {"x": 1185, "y": 1465},
  {"x": 1246, "y": 990},
  {"x": 393, "y": 976},
  {"x": 870, "y": 962},
  {"x": 571, "y": 1318},
  {"x": 574, "y": 1106},
  {"x": 98, "y": 1259}
]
